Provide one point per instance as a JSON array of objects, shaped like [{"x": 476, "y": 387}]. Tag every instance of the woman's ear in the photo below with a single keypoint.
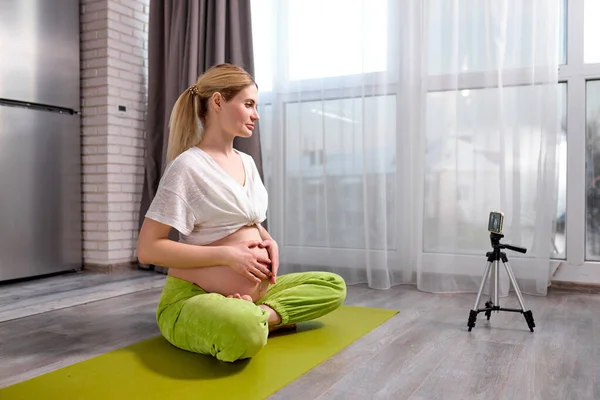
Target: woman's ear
[{"x": 216, "y": 101}]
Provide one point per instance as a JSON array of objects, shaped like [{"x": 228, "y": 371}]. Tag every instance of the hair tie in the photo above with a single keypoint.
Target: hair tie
[{"x": 193, "y": 90}]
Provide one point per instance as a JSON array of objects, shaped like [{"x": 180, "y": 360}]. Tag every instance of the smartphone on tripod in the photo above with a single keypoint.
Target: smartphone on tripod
[{"x": 496, "y": 222}]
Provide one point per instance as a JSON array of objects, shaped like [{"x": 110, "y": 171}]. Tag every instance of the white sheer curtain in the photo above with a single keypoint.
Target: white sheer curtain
[{"x": 391, "y": 129}]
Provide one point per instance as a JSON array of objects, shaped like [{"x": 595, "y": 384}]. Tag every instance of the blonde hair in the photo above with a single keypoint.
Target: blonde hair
[{"x": 186, "y": 125}]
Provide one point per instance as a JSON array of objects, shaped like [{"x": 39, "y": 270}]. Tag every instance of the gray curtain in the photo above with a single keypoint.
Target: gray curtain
[{"x": 186, "y": 37}]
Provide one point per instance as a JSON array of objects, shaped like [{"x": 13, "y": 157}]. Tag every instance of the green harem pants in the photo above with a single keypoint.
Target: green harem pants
[{"x": 234, "y": 329}]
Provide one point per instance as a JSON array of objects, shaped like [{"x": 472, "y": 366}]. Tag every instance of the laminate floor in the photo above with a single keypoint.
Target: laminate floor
[
  {"x": 31, "y": 297},
  {"x": 425, "y": 352}
]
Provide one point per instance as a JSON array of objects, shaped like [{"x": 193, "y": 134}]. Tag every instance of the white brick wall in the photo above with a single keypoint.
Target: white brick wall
[{"x": 114, "y": 36}]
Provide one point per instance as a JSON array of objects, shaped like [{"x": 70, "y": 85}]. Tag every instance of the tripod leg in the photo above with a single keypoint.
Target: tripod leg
[
  {"x": 496, "y": 284},
  {"x": 513, "y": 281},
  {"x": 473, "y": 312},
  {"x": 526, "y": 313},
  {"x": 490, "y": 303},
  {"x": 492, "y": 286},
  {"x": 483, "y": 281}
]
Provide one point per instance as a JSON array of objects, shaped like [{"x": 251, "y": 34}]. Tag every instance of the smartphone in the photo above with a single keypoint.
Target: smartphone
[{"x": 496, "y": 222}]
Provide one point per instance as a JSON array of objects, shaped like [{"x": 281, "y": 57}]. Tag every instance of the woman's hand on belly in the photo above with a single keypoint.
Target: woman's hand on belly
[
  {"x": 273, "y": 253},
  {"x": 253, "y": 289},
  {"x": 249, "y": 260},
  {"x": 226, "y": 279}
]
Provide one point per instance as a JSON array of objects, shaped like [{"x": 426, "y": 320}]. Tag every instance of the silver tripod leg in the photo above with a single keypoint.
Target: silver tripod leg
[
  {"x": 485, "y": 276},
  {"x": 496, "y": 283},
  {"x": 515, "y": 286},
  {"x": 492, "y": 277},
  {"x": 494, "y": 280}
]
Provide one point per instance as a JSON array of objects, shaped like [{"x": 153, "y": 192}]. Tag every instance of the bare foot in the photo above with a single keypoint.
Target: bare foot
[
  {"x": 274, "y": 318},
  {"x": 242, "y": 297}
]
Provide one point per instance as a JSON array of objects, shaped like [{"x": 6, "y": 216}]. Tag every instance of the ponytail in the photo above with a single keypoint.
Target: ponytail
[
  {"x": 185, "y": 129},
  {"x": 190, "y": 112}
]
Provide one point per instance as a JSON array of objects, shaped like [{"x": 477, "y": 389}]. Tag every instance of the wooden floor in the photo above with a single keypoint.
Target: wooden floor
[
  {"x": 36, "y": 296},
  {"x": 425, "y": 352}
]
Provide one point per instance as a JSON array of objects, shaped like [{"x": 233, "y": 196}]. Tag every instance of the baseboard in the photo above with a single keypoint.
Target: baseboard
[
  {"x": 111, "y": 268},
  {"x": 580, "y": 287},
  {"x": 360, "y": 276}
]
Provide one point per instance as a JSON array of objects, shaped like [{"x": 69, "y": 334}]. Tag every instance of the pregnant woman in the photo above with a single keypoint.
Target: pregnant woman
[{"x": 222, "y": 296}]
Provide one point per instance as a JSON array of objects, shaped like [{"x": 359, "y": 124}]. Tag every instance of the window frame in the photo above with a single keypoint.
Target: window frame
[{"x": 575, "y": 73}]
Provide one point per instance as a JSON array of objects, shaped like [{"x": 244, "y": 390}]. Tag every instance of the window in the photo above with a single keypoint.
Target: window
[
  {"x": 462, "y": 104},
  {"x": 591, "y": 32},
  {"x": 328, "y": 162},
  {"x": 308, "y": 56},
  {"x": 558, "y": 241},
  {"x": 463, "y": 151},
  {"x": 264, "y": 34},
  {"x": 354, "y": 44},
  {"x": 475, "y": 37},
  {"x": 593, "y": 171},
  {"x": 582, "y": 75},
  {"x": 316, "y": 45}
]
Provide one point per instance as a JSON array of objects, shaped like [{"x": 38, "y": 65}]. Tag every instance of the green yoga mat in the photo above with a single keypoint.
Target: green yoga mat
[{"x": 154, "y": 369}]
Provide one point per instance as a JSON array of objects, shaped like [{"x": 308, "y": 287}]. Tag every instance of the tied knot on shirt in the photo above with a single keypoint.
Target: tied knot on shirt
[{"x": 253, "y": 221}]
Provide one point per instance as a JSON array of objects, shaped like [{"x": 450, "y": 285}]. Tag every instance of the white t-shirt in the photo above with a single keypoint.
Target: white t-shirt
[{"x": 203, "y": 202}]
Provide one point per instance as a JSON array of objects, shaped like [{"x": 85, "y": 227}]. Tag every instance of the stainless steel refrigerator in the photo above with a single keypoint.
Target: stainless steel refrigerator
[{"x": 40, "y": 156}]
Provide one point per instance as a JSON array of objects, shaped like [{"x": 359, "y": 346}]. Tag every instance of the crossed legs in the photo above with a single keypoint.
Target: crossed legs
[{"x": 231, "y": 329}]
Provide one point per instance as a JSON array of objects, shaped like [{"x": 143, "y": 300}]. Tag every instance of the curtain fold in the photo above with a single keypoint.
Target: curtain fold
[
  {"x": 387, "y": 144},
  {"x": 186, "y": 37}
]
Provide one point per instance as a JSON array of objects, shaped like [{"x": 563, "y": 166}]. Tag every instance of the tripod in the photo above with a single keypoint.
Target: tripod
[{"x": 492, "y": 270}]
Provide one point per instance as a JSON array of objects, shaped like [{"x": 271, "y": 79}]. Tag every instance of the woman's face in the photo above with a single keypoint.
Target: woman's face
[{"x": 239, "y": 114}]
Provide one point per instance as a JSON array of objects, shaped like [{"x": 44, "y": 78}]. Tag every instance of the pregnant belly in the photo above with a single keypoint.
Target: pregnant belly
[{"x": 223, "y": 279}]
